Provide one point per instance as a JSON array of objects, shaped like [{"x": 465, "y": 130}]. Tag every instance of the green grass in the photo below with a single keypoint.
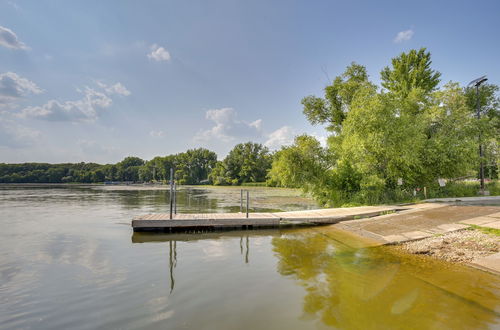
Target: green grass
[
  {"x": 254, "y": 184},
  {"x": 486, "y": 230},
  {"x": 463, "y": 189}
]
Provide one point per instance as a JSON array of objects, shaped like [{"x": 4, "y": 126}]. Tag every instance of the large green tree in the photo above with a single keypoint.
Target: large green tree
[
  {"x": 409, "y": 71},
  {"x": 333, "y": 108},
  {"x": 246, "y": 162},
  {"x": 385, "y": 143}
]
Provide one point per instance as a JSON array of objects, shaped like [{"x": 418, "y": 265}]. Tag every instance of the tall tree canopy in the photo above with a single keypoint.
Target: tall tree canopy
[
  {"x": 386, "y": 143},
  {"x": 410, "y": 71},
  {"x": 332, "y": 110}
]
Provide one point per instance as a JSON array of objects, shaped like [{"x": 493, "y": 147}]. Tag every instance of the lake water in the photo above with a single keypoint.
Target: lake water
[{"x": 69, "y": 260}]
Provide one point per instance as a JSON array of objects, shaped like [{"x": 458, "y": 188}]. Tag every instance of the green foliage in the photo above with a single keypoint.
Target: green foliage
[
  {"x": 387, "y": 144},
  {"x": 332, "y": 110},
  {"x": 462, "y": 189},
  {"x": 410, "y": 71},
  {"x": 246, "y": 162},
  {"x": 305, "y": 165},
  {"x": 192, "y": 167},
  {"x": 53, "y": 173},
  {"x": 490, "y": 123}
]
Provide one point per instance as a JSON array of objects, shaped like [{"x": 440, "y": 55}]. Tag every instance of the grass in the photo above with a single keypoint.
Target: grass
[
  {"x": 486, "y": 230},
  {"x": 254, "y": 184},
  {"x": 463, "y": 189}
]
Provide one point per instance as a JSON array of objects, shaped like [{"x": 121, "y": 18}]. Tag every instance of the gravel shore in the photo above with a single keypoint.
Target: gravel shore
[{"x": 459, "y": 246}]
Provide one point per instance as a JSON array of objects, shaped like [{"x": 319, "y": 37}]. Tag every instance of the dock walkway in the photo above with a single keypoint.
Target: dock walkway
[{"x": 183, "y": 221}]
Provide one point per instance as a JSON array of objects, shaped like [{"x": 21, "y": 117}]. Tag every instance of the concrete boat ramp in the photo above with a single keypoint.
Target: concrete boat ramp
[{"x": 221, "y": 221}]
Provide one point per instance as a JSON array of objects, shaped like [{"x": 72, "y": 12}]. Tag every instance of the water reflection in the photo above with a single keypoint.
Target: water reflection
[
  {"x": 349, "y": 286},
  {"x": 172, "y": 263},
  {"x": 66, "y": 264},
  {"x": 172, "y": 239},
  {"x": 190, "y": 199}
]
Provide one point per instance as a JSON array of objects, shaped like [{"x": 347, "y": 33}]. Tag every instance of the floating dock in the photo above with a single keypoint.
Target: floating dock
[{"x": 223, "y": 221}]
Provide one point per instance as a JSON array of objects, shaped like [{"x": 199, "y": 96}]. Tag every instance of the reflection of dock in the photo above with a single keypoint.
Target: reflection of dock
[
  {"x": 139, "y": 237},
  {"x": 173, "y": 238},
  {"x": 221, "y": 221}
]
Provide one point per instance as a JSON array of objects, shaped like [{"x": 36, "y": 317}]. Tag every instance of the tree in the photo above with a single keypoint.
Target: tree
[
  {"x": 219, "y": 176},
  {"x": 128, "y": 168},
  {"x": 490, "y": 124},
  {"x": 450, "y": 149},
  {"x": 194, "y": 165},
  {"x": 386, "y": 143},
  {"x": 246, "y": 162},
  {"x": 333, "y": 109},
  {"x": 299, "y": 165},
  {"x": 410, "y": 71},
  {"x": 304, "y": 164}
]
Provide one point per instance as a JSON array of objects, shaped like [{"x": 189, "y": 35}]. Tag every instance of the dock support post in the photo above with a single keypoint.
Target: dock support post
[
  {"x": 175, "y": 198},
  {"x": 171, "y": 190},
  {"x": 241, "y": 201},
  {"x": 248, "y": 200}
]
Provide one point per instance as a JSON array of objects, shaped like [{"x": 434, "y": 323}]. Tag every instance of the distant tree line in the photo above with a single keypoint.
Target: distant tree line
[{"x": 246, "y": 163}]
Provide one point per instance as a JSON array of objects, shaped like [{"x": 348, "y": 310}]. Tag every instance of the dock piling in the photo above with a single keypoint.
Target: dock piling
[
  {"x": 248, "y": 200},
  {"x": 175, "y": 197},
  {"x": 171, "y": 191}
]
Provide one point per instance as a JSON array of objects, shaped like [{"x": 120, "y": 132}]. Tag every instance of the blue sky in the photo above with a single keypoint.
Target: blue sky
[{"x": 101, "y": 80}]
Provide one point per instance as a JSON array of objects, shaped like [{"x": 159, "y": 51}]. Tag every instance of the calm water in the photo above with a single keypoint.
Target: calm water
[{"x": 69, "y": 260}]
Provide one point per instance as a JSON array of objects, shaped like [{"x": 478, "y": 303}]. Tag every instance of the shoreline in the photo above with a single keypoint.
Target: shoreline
[
  {"x": 463, "y": 234},
  {"x": 467, "y": 246}
]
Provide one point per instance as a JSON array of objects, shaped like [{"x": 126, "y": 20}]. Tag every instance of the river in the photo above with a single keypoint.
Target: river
[{"x": 69, "y": 260}]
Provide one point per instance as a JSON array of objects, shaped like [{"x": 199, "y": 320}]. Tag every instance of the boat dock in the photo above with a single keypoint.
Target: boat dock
[{"x": 163, "y": 222}]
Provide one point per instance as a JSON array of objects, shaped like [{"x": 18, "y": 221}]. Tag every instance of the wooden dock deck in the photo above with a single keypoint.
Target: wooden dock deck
[{"x": 220, "y": 221}]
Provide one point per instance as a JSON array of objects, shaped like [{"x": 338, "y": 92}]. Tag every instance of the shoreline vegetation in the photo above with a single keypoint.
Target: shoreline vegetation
[{"x": 409, "y": 139}]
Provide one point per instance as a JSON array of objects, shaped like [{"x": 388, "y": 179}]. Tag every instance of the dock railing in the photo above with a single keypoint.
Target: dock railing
[{"x": 247, "y": 203}]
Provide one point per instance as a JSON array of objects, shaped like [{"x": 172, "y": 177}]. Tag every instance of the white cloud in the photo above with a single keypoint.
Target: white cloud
[
  {"x": 323, "y": 139},
  {"x": 228, "y": 127},
  {"x": 14, "y": 87},
  {"x": 403, "y": 36},
  {"x": 157, "y": 134},
  {"x": 159, "y": 53},
  {"x": 9, "y": 39},
  {"x": 86, "y": 109},
  {"x": 257, "y": 124},
  {"x": 281, "y": 137},
  {"x": 117, "y": 88}
]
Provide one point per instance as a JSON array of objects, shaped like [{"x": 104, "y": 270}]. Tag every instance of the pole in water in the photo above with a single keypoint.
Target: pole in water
[
  {"x": 171, "y": 190},
  {"x": 241, "y": 201},
  {"x": 248, "y": 199},
  {"x": 175, "y": 197}
]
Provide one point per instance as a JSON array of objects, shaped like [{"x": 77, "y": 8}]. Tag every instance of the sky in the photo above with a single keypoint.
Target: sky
[{"x": 101, "y": 80}]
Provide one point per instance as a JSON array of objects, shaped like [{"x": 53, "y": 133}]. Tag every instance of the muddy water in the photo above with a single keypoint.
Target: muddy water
[{"x": 69, "y": 260}]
